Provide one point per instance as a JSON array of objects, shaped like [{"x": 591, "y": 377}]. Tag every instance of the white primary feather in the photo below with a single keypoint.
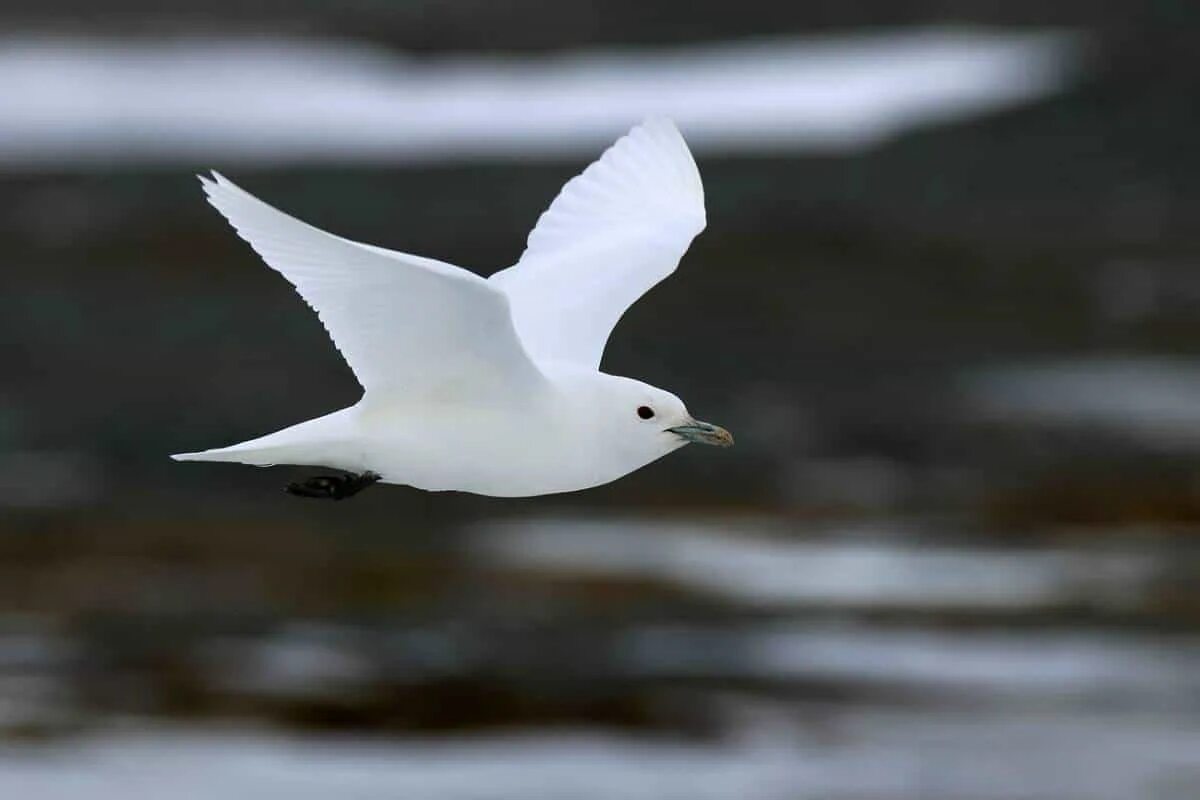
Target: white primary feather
[
  {"x": 613, "y": 232},
  {"x": 404, "y": 323}
]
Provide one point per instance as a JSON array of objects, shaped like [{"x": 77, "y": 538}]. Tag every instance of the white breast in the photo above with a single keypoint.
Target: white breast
[{"x": 480, "y": 448}]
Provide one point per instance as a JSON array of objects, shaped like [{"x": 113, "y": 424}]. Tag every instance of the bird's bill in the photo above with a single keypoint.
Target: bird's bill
[{"x": 703, "y": 433}]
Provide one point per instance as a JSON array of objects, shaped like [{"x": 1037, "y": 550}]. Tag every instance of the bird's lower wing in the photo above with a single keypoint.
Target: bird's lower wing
[
  {"x": 403, "y": 323},
  {"x": 613, "y": 232}
]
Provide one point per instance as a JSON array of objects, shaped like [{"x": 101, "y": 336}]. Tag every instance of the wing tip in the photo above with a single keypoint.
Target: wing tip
[
  {"x": 658, "y": 122},
  {"x": 661, "y": 134},
  {"x": 651, "y": 166},
  {"x": 215, "y": 182}
]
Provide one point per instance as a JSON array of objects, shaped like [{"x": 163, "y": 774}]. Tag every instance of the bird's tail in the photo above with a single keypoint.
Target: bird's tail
[
  {"x": 251, "y": 452},
  {"x": 311, "y": 442}
]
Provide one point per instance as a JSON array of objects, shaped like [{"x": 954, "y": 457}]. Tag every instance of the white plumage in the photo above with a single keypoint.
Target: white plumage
[
  {"x": 612, "y": 233},
  {"x": 491, "y": 386}
]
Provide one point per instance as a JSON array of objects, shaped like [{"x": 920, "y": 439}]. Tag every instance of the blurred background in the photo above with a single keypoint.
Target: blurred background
[{"x": 948, "y": 301}]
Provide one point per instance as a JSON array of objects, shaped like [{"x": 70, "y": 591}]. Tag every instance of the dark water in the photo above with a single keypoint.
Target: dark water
[{"x": 627, "y": 657}]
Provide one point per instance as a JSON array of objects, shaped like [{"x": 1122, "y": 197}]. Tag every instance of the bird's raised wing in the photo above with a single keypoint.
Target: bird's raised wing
[
  {"x": 402, "y": 322},
  {"x": 613, "y": 232}
]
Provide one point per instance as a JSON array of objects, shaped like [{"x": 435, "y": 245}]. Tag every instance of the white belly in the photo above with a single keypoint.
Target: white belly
[{"x": 484, "y": 451}]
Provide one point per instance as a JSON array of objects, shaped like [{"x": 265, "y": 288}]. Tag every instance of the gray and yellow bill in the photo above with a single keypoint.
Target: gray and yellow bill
[{"x": 703, "y": 433}]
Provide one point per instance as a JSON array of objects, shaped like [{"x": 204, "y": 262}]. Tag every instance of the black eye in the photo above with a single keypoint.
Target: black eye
[{"x": 645, "y": 412}]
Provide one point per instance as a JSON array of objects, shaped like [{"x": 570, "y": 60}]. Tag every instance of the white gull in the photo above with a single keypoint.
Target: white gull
[{"x": 490, "y": 386}]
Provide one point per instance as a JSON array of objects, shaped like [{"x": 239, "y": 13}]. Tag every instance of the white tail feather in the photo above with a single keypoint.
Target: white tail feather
[{"x": 308, "y": 442}]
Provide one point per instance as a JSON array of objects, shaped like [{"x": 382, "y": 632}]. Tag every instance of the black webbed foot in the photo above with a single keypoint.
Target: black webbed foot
[{"x": 333, "y": 487}]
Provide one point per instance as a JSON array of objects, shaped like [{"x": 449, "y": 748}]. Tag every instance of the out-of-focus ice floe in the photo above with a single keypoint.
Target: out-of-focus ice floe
[
  {"x": 84, "y": 102},
  {"x": 755, "y": 563},
  {"x": 1054, "y": 665},
  {"x": 886, "y": 753},
  {"x": 1155, "y": 401}
]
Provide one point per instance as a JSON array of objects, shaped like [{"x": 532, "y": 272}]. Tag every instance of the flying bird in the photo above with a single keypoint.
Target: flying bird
[{"x": 490, "y": 386}]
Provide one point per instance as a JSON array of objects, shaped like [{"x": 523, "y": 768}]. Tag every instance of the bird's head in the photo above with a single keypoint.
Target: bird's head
[{"x": 645, "y": 423}]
